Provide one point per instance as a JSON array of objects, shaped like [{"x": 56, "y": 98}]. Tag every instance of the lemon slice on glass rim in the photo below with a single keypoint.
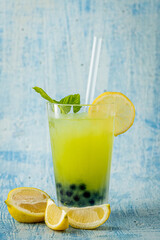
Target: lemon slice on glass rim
[{"x": 124, "y": 110}]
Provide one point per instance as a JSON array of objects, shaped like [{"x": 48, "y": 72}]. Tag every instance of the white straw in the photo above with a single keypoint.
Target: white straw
[
  {"x": 95, "y": 70},
  {"x": 92, "y": 77},
  {"x": 90, "y": 70}
]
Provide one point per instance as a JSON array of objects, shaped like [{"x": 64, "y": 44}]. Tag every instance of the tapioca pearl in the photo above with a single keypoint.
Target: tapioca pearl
[
  {"x": 84, "y": 203},
  {"x": 61, "y": 197},
  {"x": 91, "y": 201},
  {"x": 61, "y": 192},
  {"x": 81, "y": 204},
  {"x": 58, "y": 185},
  {"x": 70, "y": 203},
  {"x": 82, "y": 186},
  {"x": 86, "y": 194},
  {"x": 69, "y": 193},
  {"x": 62, "y": 201},
  {"x": 95, "y": 195},
  {"x": 73, "y": 186},
  {"x": 101, "y": 197},
  {"x": 76, "y": 198},
  {"x": 67, "y": 202}
]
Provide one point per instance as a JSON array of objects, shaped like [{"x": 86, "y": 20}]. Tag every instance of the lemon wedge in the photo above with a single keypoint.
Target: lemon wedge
[
  {"x": 26, "y": 204},
  {"x": 124, "y": 110},
  {"x": 55, "y": 217},
  {"x": 88, "y": 217}
]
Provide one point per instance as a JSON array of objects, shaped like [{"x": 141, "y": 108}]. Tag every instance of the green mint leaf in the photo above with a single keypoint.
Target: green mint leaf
[
  {"x": 65, "y": 109},
  {"x": 44, "y": 94},
  {"x": 76, "y": 100},
  {"x": 66, "y": 100},
  {"x": 70, "y": 99},
  {"x": 76, "y": 108}
]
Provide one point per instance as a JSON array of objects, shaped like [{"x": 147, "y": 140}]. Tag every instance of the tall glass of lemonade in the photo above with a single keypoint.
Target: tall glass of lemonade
[{"x": 81, "y": 143}]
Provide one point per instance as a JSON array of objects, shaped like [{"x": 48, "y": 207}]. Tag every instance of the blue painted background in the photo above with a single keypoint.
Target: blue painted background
[{"x": 48, "y": 43}]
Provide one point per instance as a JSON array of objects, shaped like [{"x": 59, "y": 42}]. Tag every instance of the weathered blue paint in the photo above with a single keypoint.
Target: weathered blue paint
[{"x": 48, "y": 43}]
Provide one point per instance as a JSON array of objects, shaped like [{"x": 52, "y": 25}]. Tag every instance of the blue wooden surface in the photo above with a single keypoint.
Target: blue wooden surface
[{"x": 48, "y": 43}]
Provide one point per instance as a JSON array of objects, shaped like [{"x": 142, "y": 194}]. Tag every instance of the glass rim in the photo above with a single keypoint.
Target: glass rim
[{"x": 81, "y": 105}]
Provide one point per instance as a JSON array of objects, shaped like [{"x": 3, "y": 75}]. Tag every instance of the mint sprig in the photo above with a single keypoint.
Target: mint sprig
[
  {"x": 70, "y": 99},
  {"x": 44, "y": 94}
]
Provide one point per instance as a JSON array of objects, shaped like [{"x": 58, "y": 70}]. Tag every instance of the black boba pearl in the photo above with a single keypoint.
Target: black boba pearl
[
  {"x": 58, "y": 185},
  {"x": 101, "y": 197},
  {"x": 73, "y": 186},
  {"x": 62, "y": 201},
  {"x": 82, "y": 186},
  {"x": 86, "y": 194},
  {"x": 69, "y": 193},
  {"x": 70, "y": 203},
  {"x": 76, "y": 198},
  {"x": 95, "y": 195},
  {"x": 61, "y": 192},
  {"x": 91, "y": 201}
]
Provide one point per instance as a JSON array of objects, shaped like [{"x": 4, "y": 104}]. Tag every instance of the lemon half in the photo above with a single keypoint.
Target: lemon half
[{"x": 26, "y": 204}]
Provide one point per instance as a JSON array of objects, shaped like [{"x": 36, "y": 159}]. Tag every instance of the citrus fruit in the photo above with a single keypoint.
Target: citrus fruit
[
  {"x": 26, "y": 204},
  {"x": 55, "y": 217},
  {"x": 123, "y": 107},
  {"x": 88, "y": 217}
]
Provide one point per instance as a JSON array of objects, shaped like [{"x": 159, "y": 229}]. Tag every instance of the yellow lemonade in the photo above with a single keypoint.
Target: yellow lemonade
[{"x": 82, "y": 153}]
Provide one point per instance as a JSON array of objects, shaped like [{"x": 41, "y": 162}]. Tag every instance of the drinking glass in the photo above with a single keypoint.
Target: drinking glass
[{"x": 81, "y": 141}]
